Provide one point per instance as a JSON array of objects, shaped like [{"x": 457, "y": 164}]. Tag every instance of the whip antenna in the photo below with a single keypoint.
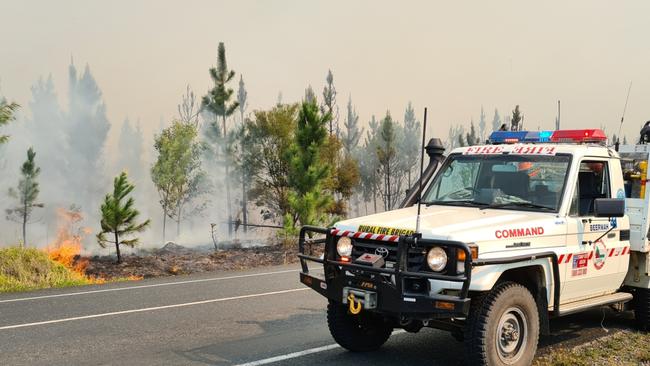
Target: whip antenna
[
  {"x": 618, "y": 137},
  {"x": 424, "y": 133}
]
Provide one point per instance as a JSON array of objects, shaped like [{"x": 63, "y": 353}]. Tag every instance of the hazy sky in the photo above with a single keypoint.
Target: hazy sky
[{"x": 449, "y": 56}]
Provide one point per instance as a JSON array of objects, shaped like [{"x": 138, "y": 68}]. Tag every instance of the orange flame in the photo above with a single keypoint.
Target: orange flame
[{"x": 67, "y": 248}]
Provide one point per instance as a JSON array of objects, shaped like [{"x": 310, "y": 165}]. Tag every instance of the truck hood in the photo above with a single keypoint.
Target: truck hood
[{"x": 492, "y": 229}]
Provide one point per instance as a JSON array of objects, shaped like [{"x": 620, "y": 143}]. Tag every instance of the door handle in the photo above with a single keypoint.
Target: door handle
[{"x": 611, "y": 235}]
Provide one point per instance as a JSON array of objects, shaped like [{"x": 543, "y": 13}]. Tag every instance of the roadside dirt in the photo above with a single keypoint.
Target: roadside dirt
[{"x": 173, "y": 259}]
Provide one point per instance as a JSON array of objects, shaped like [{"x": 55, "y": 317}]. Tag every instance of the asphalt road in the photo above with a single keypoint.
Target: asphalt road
[{"x": 257, "y": 317}]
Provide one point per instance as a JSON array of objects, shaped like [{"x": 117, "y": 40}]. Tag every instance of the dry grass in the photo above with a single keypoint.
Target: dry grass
[
  {"x": 31, "y": 269},
  {"x": 621, "y": 348}
]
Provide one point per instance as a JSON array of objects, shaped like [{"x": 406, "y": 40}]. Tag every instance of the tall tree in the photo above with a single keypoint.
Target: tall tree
[
  {"x": 242, "y": 100},
  {"x": 310, "y": 96},
  {"x": 516, "y": 119},
  {"x": 130, "y": 151},
  {"x": 189, "y": 109},
  {"x": 268, "y": 140},
  {"x": 410, "y": 147},
  {"x": 369, "y": 164},
  {"x": 87, "y": 129},
  {"x": 352, "y": 133},
  {"x": 218, "y": 102},
  {"x": 177, "y": 172},
  {"x": 496, "y": 120},
  {"x": 388, "y": 159},
  {"x": 482, "y": 125},
  {"x": 472, "y": 139},
  {"x": 308, "y": 201},
  {"x": 7, "y": 111},
  {"x": 329, "y": 104},
  {"x": 119, "y": 216},
  {"x": 46, "y": 131},
  {"x": 26, "y": 194}
]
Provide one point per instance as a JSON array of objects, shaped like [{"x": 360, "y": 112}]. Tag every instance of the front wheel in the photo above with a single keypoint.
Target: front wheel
[
  {"x": 503, "y": 327},
  {"x": 358, "y": 333}
]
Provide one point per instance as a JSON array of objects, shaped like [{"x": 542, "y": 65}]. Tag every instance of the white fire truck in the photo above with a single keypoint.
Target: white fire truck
[{"x": 532, "y": 226}]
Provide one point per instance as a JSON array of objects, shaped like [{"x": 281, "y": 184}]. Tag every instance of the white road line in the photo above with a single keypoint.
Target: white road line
[
  {"x": 24, "y": 325},
  {"x": 291, "y": 355},
  {"x": 306, "y": 352},
  {"x": 146, "y": 286}
]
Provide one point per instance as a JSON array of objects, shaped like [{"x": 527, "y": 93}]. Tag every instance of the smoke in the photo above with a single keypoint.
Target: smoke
[{"x": 78, "y": 166}]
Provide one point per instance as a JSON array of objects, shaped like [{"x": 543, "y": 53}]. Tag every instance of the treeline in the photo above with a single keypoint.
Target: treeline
[
  {"x": 294, "y": 164},
  {"x": 218, "y": 161}
]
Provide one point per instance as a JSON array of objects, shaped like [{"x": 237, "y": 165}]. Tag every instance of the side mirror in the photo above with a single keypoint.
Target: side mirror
[{"x": 609, "y": 207}]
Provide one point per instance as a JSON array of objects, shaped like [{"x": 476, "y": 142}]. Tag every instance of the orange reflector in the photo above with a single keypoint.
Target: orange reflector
[
  {"x": 444, "y": 305},
  {"x": 345, "y": 259},
  {"x": 472, "y": 249}
]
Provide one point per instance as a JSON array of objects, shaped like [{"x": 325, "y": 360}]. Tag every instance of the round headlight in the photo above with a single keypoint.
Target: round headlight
[
  {"x": 437, "y": 259},
  {"x": 344, "y": 246}
]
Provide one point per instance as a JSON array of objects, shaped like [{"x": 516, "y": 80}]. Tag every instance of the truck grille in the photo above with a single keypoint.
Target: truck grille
[{"x": 362, "y": 246}]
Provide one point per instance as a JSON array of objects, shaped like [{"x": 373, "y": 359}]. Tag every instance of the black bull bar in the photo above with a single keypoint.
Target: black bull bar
[{"x": 393, "y": 297}]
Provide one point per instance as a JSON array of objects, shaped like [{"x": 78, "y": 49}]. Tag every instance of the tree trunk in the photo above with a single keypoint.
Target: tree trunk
[
  {"x": 227, "y": 178},
  {"x": 117, "y": 248},
  {"x": 164, "y": 224},
  {"x": 244, "y": 195},
  {"x": 24, "y": 244},
  {"x": 244, "y": 203},
  {"x": 178, "y": 221}
]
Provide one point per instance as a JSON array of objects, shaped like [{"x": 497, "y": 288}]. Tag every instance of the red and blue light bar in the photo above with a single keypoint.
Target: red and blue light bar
[{"x": 565, "y": 136}]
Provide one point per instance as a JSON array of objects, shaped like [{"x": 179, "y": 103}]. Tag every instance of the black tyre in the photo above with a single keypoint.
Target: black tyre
[
  {"x": 642, "y": 308},
  {"x": 503, "y": 327},
  {"x": 357, "y": 333}
]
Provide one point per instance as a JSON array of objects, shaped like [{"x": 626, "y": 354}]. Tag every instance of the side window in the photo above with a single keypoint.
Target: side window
[{"x": 593, "y": 182}]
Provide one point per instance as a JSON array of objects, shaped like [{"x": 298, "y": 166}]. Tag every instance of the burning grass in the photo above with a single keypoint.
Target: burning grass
[{"x": 30, "y": 269}]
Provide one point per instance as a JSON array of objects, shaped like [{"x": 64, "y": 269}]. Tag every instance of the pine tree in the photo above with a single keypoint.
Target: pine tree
[
  {"x": 217, "y": 101},
  {"x": 87, "y": 129},
  {"x": 26, "y": 194},
  {"x": 369, "y": 163},
  {"x": 410, "y": 146},
  {"x": 119, "y": 217},
  {"x": 496, "y": 120},
  {"x": 472, "y": 138},
  {"x": 189, "y": 109},
  {"x": 329, "y": 104},
  {"x": 352, "y": 134},
  {"x": 516, "y": 119},
  {"x": 7, "y": 111},
  {"x": 310, "y": 96},
  {"x": 242, "y": 100},
  {"x": 387, "y": 156},
  {"x": 482, "y": 125},
  {"x": 308, "y": 173},
  {"x": 130, "y": 150}
]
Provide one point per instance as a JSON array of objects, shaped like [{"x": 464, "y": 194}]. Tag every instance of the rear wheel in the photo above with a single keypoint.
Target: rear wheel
[
  {"x": 503, "y": 327},
  {"x": 358, "y": 333},
  {"x": 642, "y": 308}
]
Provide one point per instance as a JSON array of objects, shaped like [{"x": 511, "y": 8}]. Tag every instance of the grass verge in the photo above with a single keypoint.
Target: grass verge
[
  {"x": 621, "y": 348},
  {"x": 30, "y": 269}
]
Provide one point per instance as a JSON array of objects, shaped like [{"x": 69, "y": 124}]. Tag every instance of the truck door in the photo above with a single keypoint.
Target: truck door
[{"x": 592, "y": 265}]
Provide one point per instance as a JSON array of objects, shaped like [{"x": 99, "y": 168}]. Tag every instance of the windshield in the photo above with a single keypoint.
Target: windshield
[{"x": 521, "y": 182}]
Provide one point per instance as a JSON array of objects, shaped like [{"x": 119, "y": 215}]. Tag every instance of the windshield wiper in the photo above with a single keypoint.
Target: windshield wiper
[
  {"x": 518, "y": 204},
  {"x": 455, "y": 203}
]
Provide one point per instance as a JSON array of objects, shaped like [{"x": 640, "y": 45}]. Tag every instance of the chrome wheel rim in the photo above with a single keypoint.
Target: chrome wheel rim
[{"x": 512, "y": 335}]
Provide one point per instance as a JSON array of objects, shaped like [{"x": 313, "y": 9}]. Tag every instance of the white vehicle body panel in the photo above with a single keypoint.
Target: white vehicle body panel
[{"x": 586, "y": 269}]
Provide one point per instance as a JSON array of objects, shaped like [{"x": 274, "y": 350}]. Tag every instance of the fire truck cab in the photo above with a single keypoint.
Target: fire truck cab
[{"x": 532, "y": 226}]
